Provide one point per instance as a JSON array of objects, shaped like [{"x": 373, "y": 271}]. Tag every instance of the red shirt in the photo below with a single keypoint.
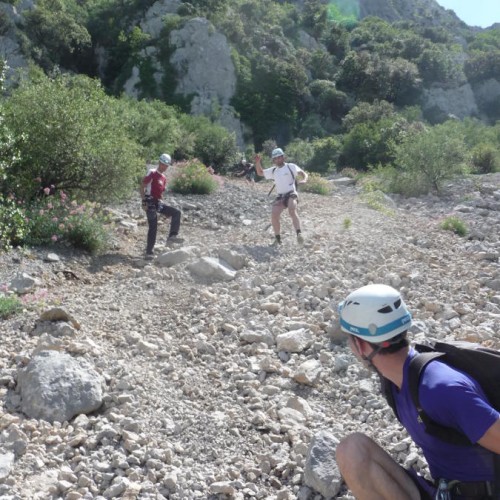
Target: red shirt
[{"x": 157, "y": 183}]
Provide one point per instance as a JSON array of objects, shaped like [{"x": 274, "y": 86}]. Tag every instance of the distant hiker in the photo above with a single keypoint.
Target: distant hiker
[
  {"x": 376, "y": 320},
  {"x": 247, "y": 170},
  {"x": 151, "y": 189},
  {"x": 285, "y": 179}
]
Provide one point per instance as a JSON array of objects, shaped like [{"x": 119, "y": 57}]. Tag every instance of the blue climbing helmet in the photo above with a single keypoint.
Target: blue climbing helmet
[
  {"x": 165, "y": 159},
  {"x": 276, "y": 153},
  {"x": 375, "y": 313}
]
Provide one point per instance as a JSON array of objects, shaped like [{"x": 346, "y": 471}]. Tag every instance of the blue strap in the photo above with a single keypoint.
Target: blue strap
[{"x": 381, "y": 330}]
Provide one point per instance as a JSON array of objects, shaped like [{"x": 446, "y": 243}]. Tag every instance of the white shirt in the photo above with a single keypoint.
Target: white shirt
[{"x": 283, "y": 178}]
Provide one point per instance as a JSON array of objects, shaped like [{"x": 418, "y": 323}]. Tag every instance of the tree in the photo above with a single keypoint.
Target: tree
[
  {"x": 70, "y": 135},
  {"x": 270, "y": 99},
  {"x": 426, "y": 159},
  {"x": 212, "y": 144},
  {"x": 56, "y": 35}
]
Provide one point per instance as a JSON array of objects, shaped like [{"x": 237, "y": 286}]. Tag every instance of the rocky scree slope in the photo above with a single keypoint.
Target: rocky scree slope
[{"x": 216, "y": 388}]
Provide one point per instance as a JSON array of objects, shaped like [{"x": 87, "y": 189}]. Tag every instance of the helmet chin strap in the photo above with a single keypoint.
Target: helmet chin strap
[{"x": 370, "y": 357}]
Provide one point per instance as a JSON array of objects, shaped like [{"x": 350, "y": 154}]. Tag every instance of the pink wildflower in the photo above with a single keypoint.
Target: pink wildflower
[
  {"x": 46, "y": 191},
  {"x": 54, "y": 237}
]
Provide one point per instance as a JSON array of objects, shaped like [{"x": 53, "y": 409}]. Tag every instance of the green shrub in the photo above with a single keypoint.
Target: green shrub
[
  {"x": 300, "y": 152},
  {"x": 427, "y": 158},
  {"x": 9, "y": 305},
  {"x": 326, "y": 153},
  {"x": 373, "y": 195},
  {"x": 350, "y": 172},
  {"x": 347, "y": 223},
  {"x": 56, "y": 220},
  {"x": 316, "y": 184},
  {"x": 455, "y": 225},
  {"x": 371, "y": 142},
  {"x": 214, "y": 145},
  {"x": 57, "y": 34},
  {"x": 152, "y": 124},
  {"x": 485, "y": 159},
  {"x": 13, "y": 224},
  {"x": 193, "y": 178},
  {"x": 71, "y": 135}
]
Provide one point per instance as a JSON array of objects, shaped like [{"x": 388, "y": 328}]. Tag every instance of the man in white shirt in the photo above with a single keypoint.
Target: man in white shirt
[{"x": 285, "y": 178}]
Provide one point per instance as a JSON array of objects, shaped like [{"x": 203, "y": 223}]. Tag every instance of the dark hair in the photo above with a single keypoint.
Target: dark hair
[{"x": 394, "y": 345}]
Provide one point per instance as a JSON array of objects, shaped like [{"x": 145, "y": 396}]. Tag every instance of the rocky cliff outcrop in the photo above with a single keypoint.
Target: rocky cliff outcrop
[
  {"x": 202, "y": 61},
  {"x": 10, "y": 48}
]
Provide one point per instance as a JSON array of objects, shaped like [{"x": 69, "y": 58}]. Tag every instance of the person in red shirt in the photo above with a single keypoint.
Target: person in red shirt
[{"x": 152, "y": 187}]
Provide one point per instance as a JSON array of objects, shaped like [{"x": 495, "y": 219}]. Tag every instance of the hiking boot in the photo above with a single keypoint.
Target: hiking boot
[
  {"x": 173, "y": 240},
  {"x": 276, "y": 243},
  {"x": 300, "y": 239},
  {"x": 149, "y": 256}
]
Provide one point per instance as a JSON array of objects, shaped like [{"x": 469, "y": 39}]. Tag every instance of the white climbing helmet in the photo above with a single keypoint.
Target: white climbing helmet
[
  {"x": 165, "y": 159},
  {"x": 375, "y": 313},
  {"x": 277, "y": 152}
]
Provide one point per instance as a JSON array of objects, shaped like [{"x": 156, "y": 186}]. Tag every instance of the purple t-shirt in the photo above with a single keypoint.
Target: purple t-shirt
[{"x": 454, "y": 399}]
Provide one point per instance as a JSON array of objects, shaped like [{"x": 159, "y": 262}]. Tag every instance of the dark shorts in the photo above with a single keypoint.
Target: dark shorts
[
  {"x": 426, "y": 489},
  {"x": 282, "y": 199}
]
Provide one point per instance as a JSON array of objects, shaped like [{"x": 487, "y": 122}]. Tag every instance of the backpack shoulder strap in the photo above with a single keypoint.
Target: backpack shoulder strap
[
  {"x": 291, "y": 171},
  {"x": 417, "y": 366},
  {"x": 386, "y": 390}
]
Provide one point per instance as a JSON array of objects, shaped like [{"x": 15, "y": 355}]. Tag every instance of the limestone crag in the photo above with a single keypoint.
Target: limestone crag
[{"x": 231, "y": 389}]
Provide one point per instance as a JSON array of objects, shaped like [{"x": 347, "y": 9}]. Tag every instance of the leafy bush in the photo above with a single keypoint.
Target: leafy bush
[
  {"x": 376, "y": 77},
  {"x": 57, "y": 34},
  {"x": 326, "y": 153},
  {"x": 152, "y": 124},
  {"x": 485, "y": 159},
  {"x": 454, "y": 224},
  {"x": 330, "y": 102},
  {"x": 367, "y": 112},
  {"x": 437, "y": 63},
  {"x": 299, "y": 152},
  {"x": 269, "y": 98},
  {"x": 349, "y": 172},
  {"x": 316, "y": 184},
  {"x": 370, "y": 143},
  {"x": 57, "y": 220},
  {"x": 71, "y": 135},
  {"x": 9, "y": 305},
  {"x": 424, "y": 160},
  {"x": 214, "y": 145},
  {"x": 13, "y": 225},
  {"x": 373, "y": 195},
  {"x": 193, "y": 178}
]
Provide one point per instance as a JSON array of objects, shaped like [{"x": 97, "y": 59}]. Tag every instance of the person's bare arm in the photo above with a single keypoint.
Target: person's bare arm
[
  {"x": 491, "y": 438},
  {"x": 258, "y": 166},
  {"x": 303, "y": 175}
]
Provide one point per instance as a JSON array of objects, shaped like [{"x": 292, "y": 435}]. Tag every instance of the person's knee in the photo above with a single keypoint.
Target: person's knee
[{"x": 352, "y": 450}]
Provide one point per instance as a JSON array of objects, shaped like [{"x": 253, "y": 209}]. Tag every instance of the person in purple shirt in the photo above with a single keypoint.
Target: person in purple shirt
[{"x": 376, "y": 320}]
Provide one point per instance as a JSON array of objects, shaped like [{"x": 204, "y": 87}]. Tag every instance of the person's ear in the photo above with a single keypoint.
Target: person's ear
[{"x": 362, "y": 345}]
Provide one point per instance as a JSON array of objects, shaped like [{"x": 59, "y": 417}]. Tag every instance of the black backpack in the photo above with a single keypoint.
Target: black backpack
[{"x": 481, "y": 363}]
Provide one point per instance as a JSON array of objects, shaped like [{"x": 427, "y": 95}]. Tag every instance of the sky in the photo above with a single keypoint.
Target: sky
[{"x": 482, "y": 13}]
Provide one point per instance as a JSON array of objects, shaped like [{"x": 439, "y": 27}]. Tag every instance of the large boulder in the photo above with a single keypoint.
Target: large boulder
[{"x": 55, "y": 387}]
